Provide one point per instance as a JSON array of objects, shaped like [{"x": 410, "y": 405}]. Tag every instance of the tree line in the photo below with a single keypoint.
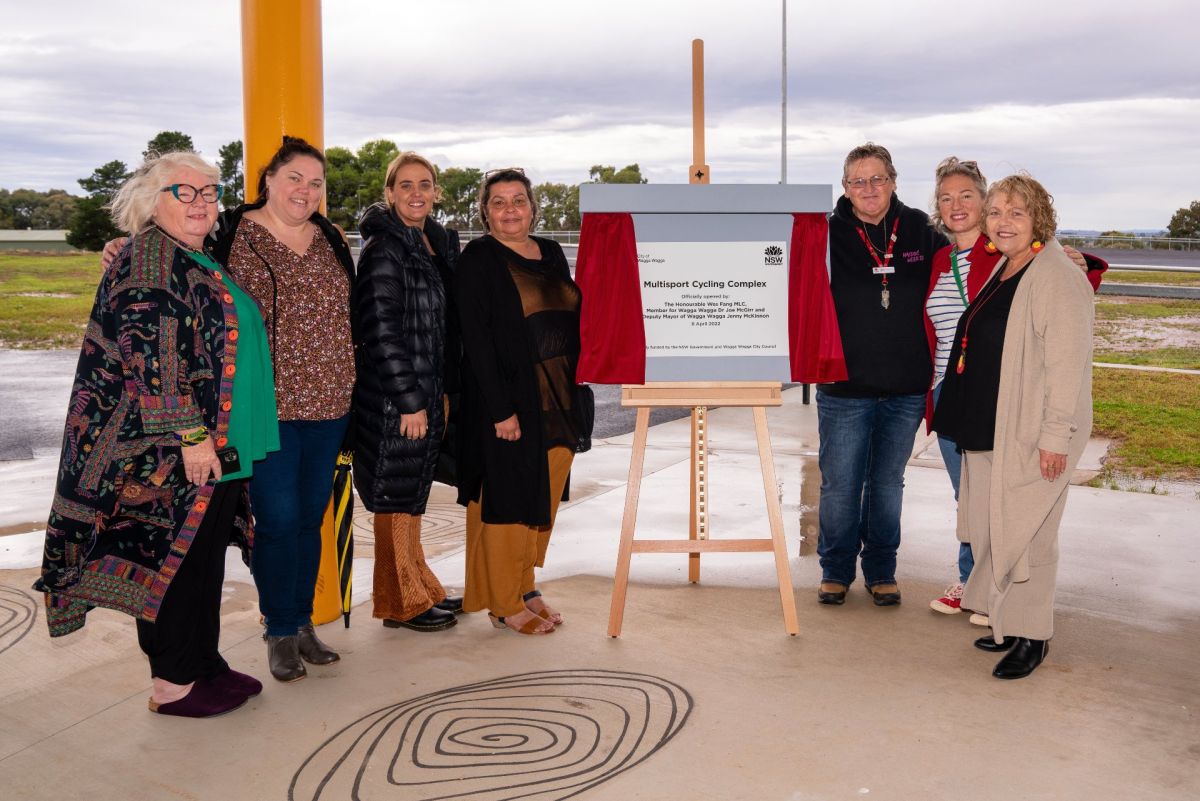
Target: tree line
[{"x": 353, "y": 181}]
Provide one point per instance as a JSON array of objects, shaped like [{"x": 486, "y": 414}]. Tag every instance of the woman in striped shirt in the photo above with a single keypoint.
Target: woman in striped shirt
[{"x": 959, "y": 271}]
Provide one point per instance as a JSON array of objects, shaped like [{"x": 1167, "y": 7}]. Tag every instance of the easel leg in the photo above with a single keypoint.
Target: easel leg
[
  {"x": 637, "y": 459},
  {"x": 775, "y": 516},
  {"x": 697, "y": 489}
]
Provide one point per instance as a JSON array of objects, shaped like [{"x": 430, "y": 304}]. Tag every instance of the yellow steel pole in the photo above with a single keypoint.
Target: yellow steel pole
[
  {"x": 282, "y": 88},
  {"x": 283, "y": 93}
]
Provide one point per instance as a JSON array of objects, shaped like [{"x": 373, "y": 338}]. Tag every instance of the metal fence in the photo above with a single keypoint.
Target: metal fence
[{"x": 1129, "y": 242}]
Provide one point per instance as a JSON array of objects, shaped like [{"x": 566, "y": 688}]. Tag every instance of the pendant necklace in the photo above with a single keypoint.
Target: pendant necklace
[
  {"x": 985, "y": 295},
  {"x": 980, "y": 299},
  {"x": 882, "y": 266}
]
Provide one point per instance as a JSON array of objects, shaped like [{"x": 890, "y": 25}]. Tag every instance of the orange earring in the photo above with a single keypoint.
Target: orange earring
[
  {"x": 1037, "y": 246},
  {"x": 990, "y": 246}
]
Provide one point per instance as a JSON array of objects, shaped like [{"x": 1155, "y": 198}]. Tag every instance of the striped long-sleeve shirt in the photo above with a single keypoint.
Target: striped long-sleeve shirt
[{"x": 944, "y": 306}]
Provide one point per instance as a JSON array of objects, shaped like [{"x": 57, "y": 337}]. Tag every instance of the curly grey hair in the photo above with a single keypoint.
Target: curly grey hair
[{"x": 133, "y": 206}]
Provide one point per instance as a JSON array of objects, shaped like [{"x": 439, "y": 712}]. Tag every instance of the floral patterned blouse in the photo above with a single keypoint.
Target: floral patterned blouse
[{"x": 306, "y": 308}]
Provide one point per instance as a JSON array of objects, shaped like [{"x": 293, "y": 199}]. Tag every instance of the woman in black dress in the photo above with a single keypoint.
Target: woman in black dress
[{"x": 519, "y": 310}]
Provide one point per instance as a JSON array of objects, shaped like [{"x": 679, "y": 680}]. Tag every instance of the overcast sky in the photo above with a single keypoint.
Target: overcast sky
[{"x": 1101, "y": 101}]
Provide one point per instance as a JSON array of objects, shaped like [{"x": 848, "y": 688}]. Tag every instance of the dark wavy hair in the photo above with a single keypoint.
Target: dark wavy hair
[
  {"x": 292, "y": 146},
  {"x": 504, "y": 176}
]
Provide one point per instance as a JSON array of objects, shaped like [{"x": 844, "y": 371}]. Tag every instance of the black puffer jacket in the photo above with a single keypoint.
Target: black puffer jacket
[{"x": 401, "y": 298}]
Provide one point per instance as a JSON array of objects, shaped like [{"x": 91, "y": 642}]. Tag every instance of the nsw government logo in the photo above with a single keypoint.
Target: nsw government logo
[{"x": 772, "y": 254}]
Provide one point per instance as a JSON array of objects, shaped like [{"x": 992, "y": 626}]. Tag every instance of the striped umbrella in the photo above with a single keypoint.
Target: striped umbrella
[{"x": 343, "y": 514}]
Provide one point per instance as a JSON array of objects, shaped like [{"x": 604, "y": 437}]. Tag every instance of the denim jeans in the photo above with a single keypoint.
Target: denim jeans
[
  {"x": 865, "y": 444},
  {"x": 289, "y": 492},
  {"x": 953, "y": 461}
]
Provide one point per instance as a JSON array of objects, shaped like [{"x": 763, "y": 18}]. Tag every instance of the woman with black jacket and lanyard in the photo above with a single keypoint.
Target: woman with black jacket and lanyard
[
  {"x": 408, "y": 366},
  {"x": 880, "y": 256}
]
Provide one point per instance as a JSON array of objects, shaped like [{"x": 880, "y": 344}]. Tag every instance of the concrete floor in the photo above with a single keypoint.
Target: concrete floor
[{"x": 702, "y": 697}]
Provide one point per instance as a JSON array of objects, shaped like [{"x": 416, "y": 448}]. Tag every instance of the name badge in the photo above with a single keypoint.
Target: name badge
[{"x": 885, "y": 270}]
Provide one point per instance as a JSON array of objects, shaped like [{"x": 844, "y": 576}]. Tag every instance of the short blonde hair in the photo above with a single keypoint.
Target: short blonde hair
[
  {"x": 952, "y": 166},
  {"x": 403, "y": 160},
  {"x": 133, "y": 206},
  {"x": 1038, "y": 202},
  {"x": 870, "y": 150}
]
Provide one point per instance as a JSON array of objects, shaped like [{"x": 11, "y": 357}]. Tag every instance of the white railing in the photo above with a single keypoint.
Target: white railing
[{"x": 1129, "y": 242}]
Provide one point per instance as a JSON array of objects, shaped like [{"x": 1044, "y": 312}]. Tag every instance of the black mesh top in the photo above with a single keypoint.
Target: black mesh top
[{"x": 551, "y": 307}]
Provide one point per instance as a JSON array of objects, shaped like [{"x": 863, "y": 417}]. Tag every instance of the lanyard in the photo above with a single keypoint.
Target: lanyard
[
  {"x": 891, "y": 245},
  {"x": 882, "y": 266},
  {"x": 957, "y": 276}
]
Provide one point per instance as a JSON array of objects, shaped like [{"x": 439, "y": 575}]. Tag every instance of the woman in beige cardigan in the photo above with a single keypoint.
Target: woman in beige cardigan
[{"x": 1018, "y": 400}]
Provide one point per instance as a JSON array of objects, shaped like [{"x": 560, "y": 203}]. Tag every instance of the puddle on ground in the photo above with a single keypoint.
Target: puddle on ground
[{"x": 810, "y": 496}]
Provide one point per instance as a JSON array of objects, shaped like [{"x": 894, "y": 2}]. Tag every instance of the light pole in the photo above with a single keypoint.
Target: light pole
[{"x": 783, "y": 137}]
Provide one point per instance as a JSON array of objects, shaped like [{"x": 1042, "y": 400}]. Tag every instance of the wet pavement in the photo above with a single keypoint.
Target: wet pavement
[{"x": 702, "y": 697}]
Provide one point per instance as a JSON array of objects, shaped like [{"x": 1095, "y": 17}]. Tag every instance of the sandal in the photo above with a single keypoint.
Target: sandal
[
  {"x": 534, "y": 625},
  {"x": 543, "y": 609}
]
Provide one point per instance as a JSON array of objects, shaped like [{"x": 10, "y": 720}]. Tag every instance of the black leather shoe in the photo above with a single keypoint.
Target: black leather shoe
[
  {"x": 1024, "y": 657},
  {"x": 987, "y": 643},
  {"x": 831, "y": 593},
  {"x": 283, "y": 658},
  {"x": 453, "y": 605},
  {"x": 432, "y": 619},
  {"x": 312, "y": 650}
]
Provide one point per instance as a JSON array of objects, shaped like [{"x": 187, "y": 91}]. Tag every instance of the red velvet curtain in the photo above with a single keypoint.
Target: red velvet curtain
[
  {"x": 612, "y": 333},
  {"x": 814, "y": 339}
]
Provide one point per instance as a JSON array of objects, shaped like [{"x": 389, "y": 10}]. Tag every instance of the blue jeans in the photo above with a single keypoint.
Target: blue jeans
[
  {"x": 865, "y": 444},
  {"x": 953, "y": 461},
  {"x": 289, "y": 492}
]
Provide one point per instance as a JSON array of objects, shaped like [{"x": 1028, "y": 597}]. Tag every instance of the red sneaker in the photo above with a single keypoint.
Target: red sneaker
[{"x": 951, "y": 601}]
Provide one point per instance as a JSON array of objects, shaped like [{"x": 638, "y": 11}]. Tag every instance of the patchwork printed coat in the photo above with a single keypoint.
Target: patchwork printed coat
[{"x": 158, "y": 356}]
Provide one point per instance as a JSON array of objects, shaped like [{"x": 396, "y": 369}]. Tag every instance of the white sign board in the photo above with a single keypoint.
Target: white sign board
[
  {"x": 714, "y": 299},
  {"x": 713, "y": 273}
]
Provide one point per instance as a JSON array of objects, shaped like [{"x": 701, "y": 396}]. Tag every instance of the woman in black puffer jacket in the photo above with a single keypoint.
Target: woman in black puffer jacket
[{"x": 406, "y": 365}]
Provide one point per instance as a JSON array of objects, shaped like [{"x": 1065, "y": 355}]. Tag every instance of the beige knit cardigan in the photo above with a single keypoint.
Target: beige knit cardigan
[{"x": 1045, "y": 401}]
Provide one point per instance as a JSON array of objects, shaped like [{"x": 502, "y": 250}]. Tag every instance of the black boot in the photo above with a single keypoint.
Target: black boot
[
  {"x": 312, "y": 649},
  {"x": 989, "y": 643},
  {"x": 432, "y": 619},
  {"x": 450, "y": 604},
  {"x": 283, "y": 658},
  {"x": 1024, "y": 657}
]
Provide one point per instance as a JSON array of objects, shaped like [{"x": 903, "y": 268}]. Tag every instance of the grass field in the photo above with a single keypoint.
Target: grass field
[
  {"x": 45, "y": 300},
  {"x": 1154, "y": 418},
  {"x": 1112, "y": 308},
  {"x": 1164, "y": 278},
  {"x": 1147, "y": 331},
  {"x": 1180, "y": 358}
]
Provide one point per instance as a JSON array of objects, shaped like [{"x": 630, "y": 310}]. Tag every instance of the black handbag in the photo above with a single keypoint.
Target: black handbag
[{"x": 585, "y": 403}]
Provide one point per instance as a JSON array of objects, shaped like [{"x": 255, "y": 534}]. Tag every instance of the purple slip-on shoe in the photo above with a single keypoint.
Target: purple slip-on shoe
[
  {"x": 237, "y": 682},
  {"x": 204, "y": 701}
]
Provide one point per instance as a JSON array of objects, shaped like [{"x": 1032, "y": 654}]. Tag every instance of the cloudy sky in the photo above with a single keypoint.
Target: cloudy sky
[{"x": 1101, "y": 101}]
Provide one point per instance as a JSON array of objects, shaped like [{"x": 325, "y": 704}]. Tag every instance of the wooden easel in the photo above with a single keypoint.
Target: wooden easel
[{"x": 757, "y": 395}]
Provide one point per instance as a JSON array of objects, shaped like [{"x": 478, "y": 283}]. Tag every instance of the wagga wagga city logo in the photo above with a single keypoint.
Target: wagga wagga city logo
[{"x": 772, "y": 255}]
